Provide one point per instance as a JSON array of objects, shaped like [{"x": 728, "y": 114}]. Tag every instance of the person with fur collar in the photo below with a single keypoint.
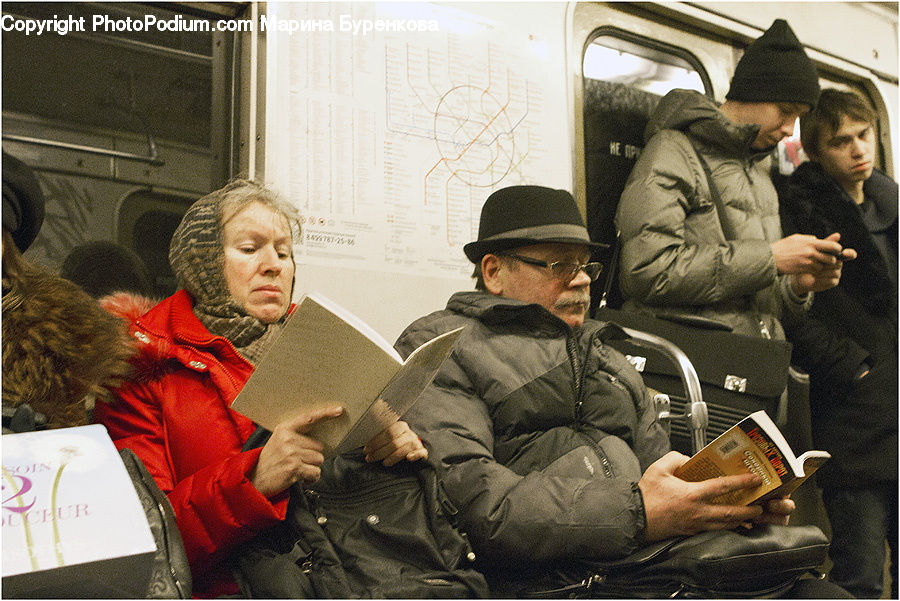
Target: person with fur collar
[
  {"x": 848, "y": 342},
  {"x": 233, "y": 257},
  {"x": 61, "y": 350}
]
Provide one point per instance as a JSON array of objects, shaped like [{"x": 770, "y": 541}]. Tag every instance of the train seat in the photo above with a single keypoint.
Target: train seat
[{"x": 615, "y": 117}]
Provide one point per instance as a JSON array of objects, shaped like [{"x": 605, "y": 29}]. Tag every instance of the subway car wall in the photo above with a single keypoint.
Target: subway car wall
[{"x": 386, "y": 124}]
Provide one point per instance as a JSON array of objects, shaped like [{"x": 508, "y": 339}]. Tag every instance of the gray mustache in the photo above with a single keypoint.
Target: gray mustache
[{"x": 580, "y": 299}]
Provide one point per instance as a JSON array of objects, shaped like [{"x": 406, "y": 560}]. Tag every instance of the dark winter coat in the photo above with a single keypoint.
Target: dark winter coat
[
  {"x": 688, "y": 248},
  {"x": 849, "y": 325},
  {"x": 542, "y": 431},
  {"x": 60, "y": 348},
  {"x": 175, "y": 415}
]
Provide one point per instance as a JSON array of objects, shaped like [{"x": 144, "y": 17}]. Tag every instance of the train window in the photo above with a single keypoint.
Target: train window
[
  {"x": 651, "y": 69},
  {"x": 135, "y": 81},
  {"x": 100, "y": 110},
  {"x": 625, "y": 75}
]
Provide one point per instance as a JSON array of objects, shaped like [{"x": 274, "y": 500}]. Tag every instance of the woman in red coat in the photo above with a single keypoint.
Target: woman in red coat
[{"x": 232, "y": 255}]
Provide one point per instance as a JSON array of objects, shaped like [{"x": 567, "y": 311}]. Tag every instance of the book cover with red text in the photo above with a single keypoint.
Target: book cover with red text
[{"x": 755, "y": 444}]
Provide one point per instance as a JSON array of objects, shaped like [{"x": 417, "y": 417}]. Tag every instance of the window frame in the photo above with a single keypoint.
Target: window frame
[{"x": 638, "y": 40}]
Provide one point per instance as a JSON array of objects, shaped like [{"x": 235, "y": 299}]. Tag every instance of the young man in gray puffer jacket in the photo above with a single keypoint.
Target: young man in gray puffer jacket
[
  {"x": 546, "y": 438},
  {"x": 699, "y": 217}
]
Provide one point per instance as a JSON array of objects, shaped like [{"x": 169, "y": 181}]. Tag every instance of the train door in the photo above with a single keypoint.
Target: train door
[
  {"x": 630, "y": 59},
  {"x": 123, "y": 128}
]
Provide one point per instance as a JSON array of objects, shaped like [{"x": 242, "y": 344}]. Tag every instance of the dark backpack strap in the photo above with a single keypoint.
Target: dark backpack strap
[
  {"x": 611, "y": 271},
  {"x": 715, "y": 197}
]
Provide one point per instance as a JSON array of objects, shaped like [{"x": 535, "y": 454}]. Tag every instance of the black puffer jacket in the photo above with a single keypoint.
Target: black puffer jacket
[
  {"x": 542, "y": 431},
  {"x": 855, "y": 322}
]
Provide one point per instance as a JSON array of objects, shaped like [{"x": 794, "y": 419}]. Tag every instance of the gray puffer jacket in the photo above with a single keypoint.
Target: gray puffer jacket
[
  {"x": 542, "y": 432},
  {"x": 683, "y": 251}
]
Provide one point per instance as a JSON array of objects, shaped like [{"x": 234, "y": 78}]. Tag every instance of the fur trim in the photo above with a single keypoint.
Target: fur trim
[
  {"x": 128, "y": 306},
  {"x": 153, "y": 353},
  {"x": 60, "y": 348},
  {"x": 152, "y": 360}
]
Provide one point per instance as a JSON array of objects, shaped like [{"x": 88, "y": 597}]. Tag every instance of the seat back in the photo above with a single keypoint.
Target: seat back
[{"x": 615, "y": 116}]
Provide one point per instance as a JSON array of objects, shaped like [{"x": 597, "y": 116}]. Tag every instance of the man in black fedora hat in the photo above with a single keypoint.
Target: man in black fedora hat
[
  {"x": 518, "y": 218},
  {"x": 546, "y": 437}
]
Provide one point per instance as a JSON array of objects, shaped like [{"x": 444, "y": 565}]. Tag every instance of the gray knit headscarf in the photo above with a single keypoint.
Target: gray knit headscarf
[{"x": 197, "y": 256}]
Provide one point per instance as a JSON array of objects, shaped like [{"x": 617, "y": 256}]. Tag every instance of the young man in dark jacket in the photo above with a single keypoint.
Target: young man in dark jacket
[
  {"x": 848, "y": 342},
  {"x": 547, "y": 439}
]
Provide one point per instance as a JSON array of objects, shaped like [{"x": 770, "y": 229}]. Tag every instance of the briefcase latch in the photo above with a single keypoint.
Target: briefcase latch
[
  {"x": 637, "y": 362},
  {"x": 735, "y": 383}
]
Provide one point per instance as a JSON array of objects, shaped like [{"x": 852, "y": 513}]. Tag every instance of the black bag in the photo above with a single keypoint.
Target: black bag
[
  {"x": 363, "y": 531},
  {"x": 765, "y": 561},
  {"x": 170, "y": 577},
  {"x": 738, "y": 374}
]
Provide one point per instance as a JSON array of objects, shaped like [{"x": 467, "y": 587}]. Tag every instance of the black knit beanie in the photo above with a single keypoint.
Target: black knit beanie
[{"x": 775, "y": 69}]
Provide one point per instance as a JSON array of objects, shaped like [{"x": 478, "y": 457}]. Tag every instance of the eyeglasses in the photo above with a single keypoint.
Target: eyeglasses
[{"x": 562, "y": 270}]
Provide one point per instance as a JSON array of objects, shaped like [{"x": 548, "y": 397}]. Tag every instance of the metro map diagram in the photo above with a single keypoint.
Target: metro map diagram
[
  {"x": 395, "y": 141},
  {"x": 472, "y": 108}
]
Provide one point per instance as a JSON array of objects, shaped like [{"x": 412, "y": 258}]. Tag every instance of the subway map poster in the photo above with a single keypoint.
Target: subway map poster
[{"x": 393, "y": 122}]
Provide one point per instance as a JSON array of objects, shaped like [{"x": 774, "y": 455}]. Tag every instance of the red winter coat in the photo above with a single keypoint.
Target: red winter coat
[{"x": 174, "y": 414}]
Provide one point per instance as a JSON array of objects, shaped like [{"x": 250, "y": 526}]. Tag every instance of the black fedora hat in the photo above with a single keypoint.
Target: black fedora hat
[{"x": 525, "y": 215}]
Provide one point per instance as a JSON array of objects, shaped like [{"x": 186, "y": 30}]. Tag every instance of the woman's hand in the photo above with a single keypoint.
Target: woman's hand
[
  {"x": 289, "y": 455},
  {"x": 394, "y": 444}
]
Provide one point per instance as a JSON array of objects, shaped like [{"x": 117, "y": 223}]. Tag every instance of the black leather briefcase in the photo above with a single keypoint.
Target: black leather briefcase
[
  {"x": 738, "y": 374},
  {"x": 761, "y": 563}
]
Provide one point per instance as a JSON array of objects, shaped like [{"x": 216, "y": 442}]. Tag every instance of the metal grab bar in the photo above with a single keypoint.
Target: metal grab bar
[
  {"x": 152, "y": 158},
  {"x": 698, "y": 416}
]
